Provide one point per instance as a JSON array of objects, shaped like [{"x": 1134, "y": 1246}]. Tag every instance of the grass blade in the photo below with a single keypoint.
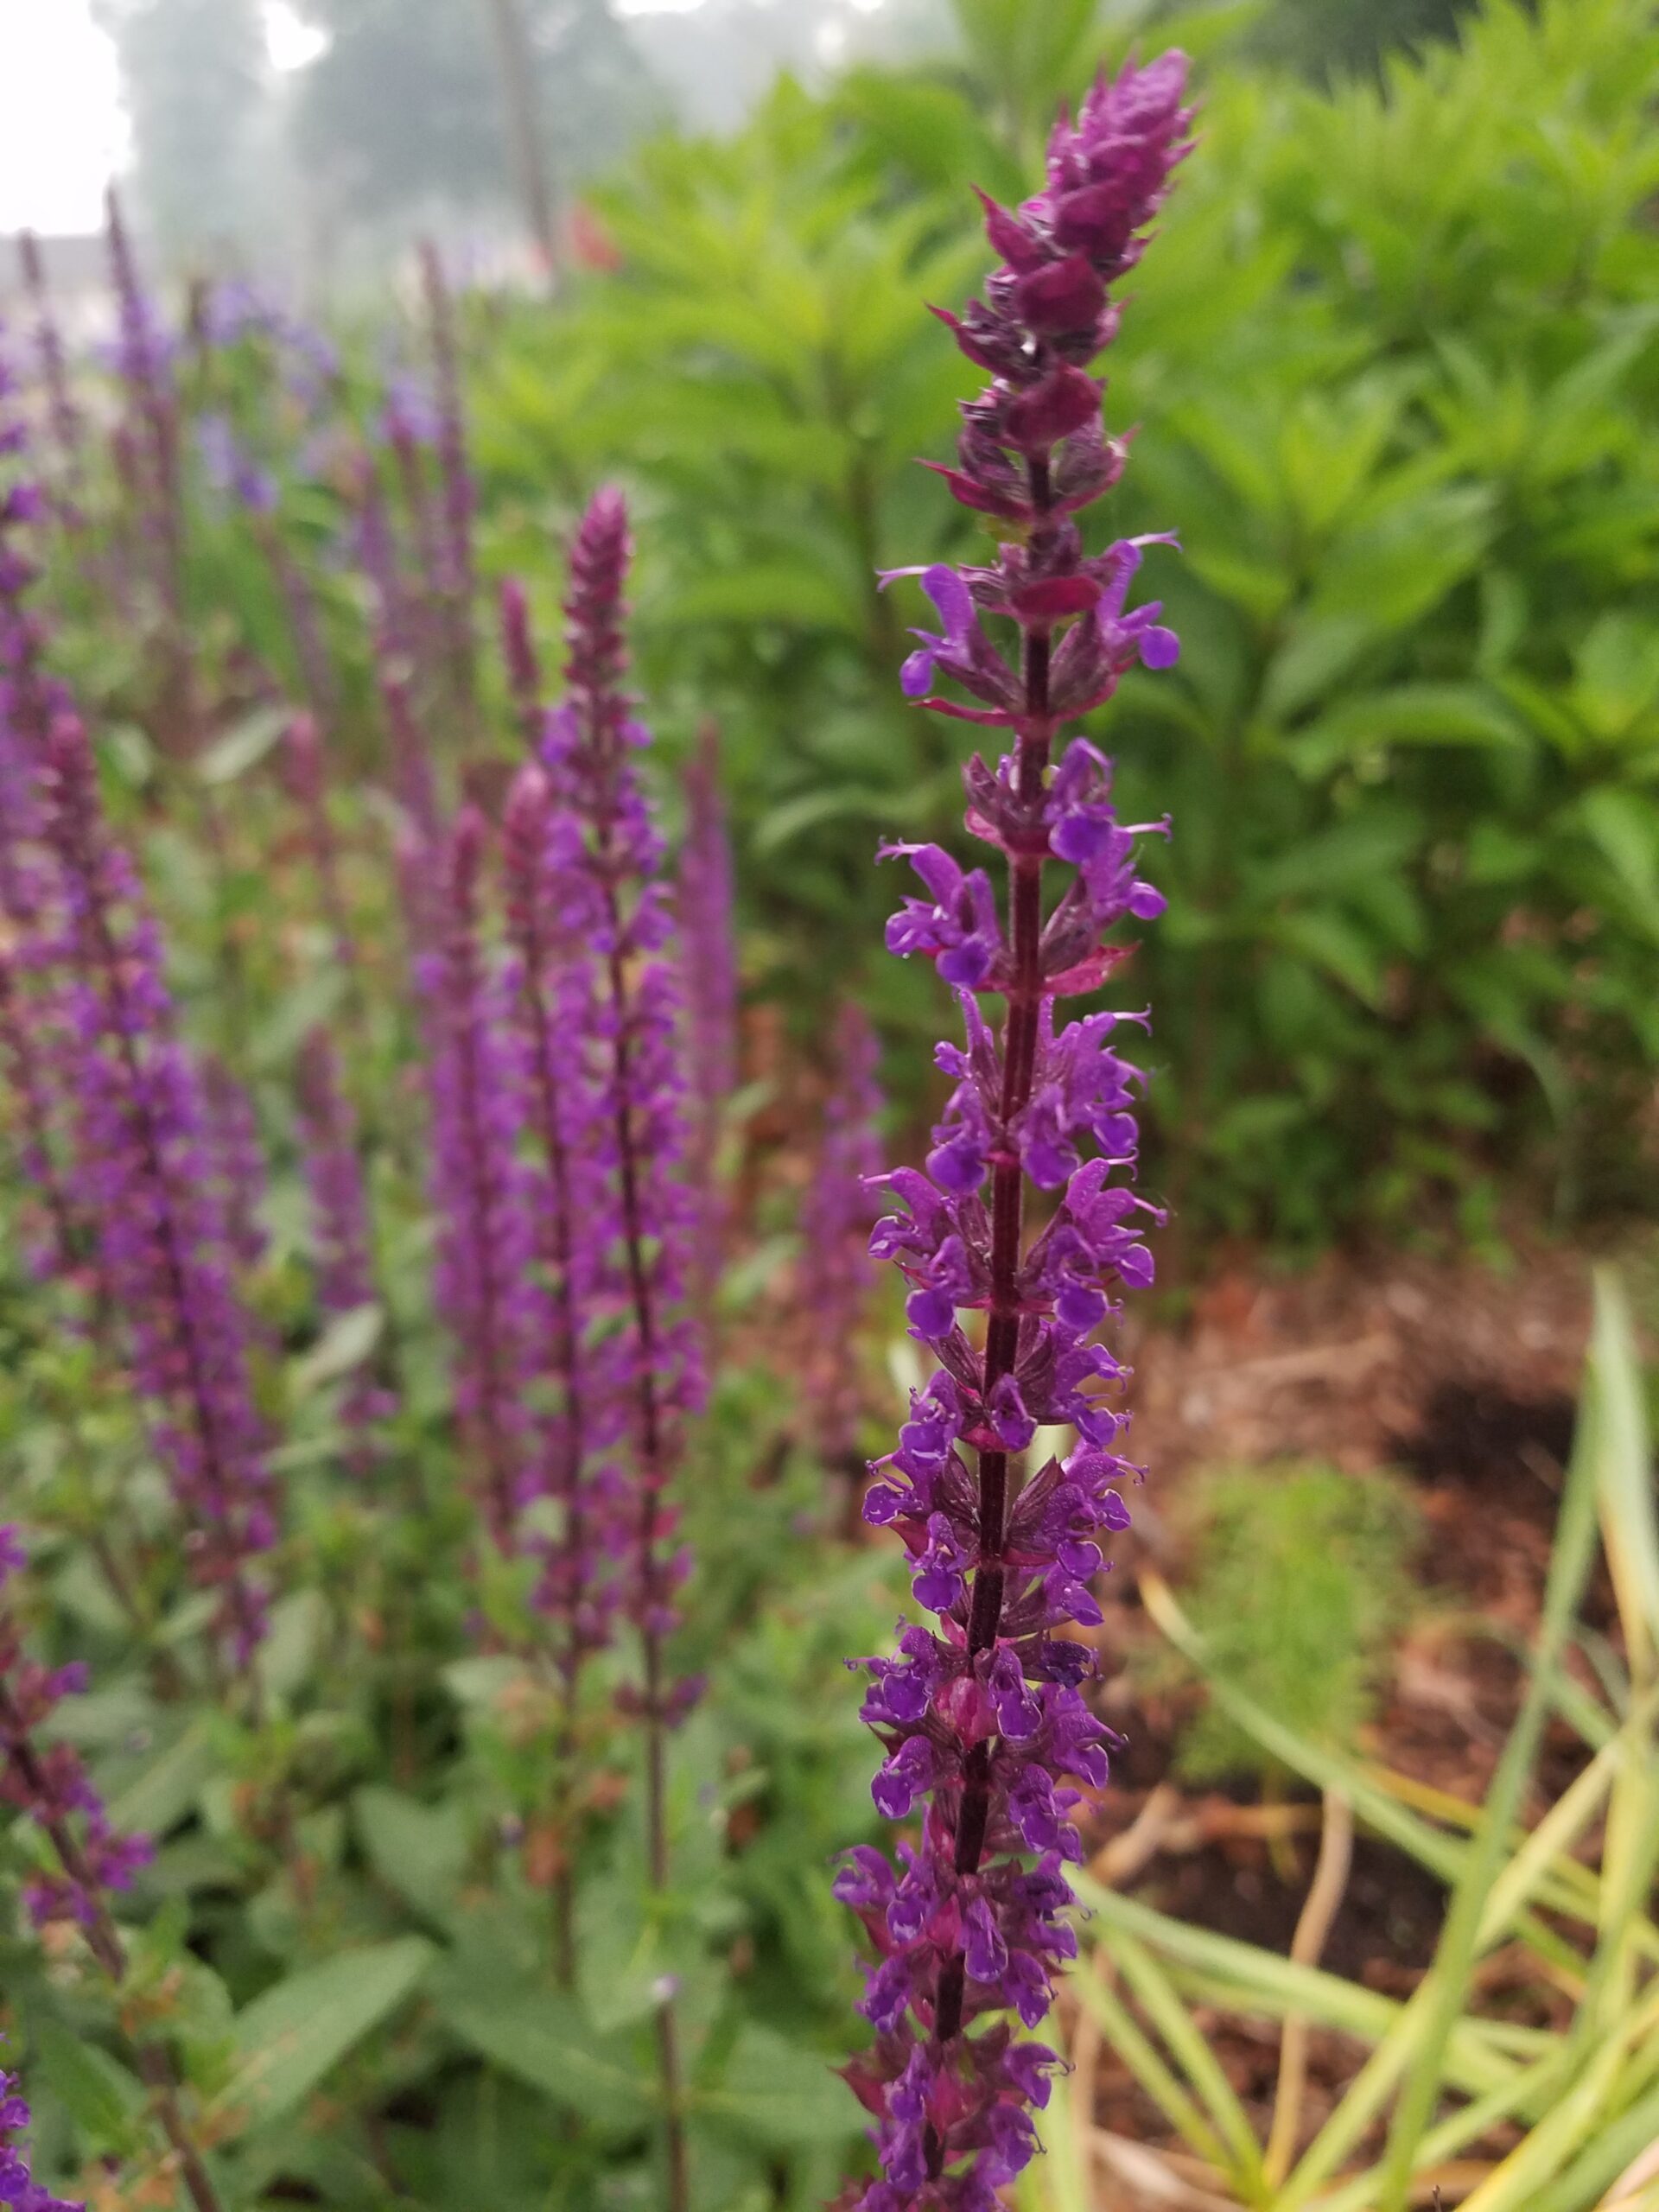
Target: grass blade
[{"x": 1447, "y": 1983}]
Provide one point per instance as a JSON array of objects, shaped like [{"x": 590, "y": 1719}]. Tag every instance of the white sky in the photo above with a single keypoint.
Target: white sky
[
  {"x": 63, "y": 131},
  {"x": 63, "y": 134}
]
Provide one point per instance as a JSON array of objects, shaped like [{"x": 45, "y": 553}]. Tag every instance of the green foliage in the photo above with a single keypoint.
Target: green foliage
[
  {"x": 1300, "y": 1579},
  {"x": 1393, "y": 363}
]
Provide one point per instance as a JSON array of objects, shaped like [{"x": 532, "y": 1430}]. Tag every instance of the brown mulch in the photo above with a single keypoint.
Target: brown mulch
[{"x": 1463, "y": 1378}]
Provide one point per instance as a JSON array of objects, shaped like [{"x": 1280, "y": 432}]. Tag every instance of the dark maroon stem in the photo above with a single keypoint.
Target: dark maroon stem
[
  {"x": 997, "y": 1477},
  {"x": 653, "y": 1477},
  {"x": 567, "y": 1340}
]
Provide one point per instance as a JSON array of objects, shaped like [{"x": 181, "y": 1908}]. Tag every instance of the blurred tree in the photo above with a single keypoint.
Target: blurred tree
[
  {"x": 1330, "y": 38},
  {"x": 194, "y": 74},
  {"x": 405, "y": 105}
]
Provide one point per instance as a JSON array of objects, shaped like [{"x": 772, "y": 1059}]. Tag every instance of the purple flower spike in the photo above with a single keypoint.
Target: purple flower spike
[
  {"x": 613, "y": 898},
  {"x": 708, "y": 972},
  {"x": 559, "y": 1037},
  {"x": 19, "y": 2191},
  {"x": 988, "y": 1742},
  {"x": 47, "y": 1781},
  {"x": 147, "y": 1161},
  {"x": 479, "y": 1187},
  {"x": 835, "y": 1220},
  {"x": 609, "y": 857},
  {"x": 341, "y": 1242}
]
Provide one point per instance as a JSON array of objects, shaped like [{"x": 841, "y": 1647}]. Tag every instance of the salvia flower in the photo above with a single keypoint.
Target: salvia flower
[
  {"x": 341, "y": 1242},
  {"x": 305, "y": 775},
  {"x": 709, "y": 968},
  {"x": 66, "y": 420},
  {"x": 19, "y": 2191},
  {"x": 988, "y": 1745},
  {"x": 47, "y": 1783},
  {"x": 144, "y": 360},
  {"x": 559, "y": 1037},
  {"x": 484, "y": 1291},
  {"x": 615, "y": 901},
  {"x": 835, "y": 1220},
  {"x": 145, "y": 1159},
  {"x": 237, "y": 1161},
  {"x": 455, "y": 577}
]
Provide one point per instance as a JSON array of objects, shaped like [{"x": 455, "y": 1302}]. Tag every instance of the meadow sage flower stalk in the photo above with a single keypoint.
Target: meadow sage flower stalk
[
  {"x": 144, "y": 360},
  {"x": 560, "y": 1037},
  {"x": 19, "y": 2191},
  {"x": 236, "y": 1160},
  {"x": 144, "y": 1157},
  {"x": 980, "y": 1715},
  {"x": 479, "y": 1187},
  {"x": 707, "y": 934},
  {"x": 66, "y": 420},
  {"x": 457, "y": 576},
  {"x": 341, "y": 1242},
  {"x": 616, "y": 902},
  {"x": 47, "y": 1783},
  {"x": 305, "y": 773},
  {"x": 836, "y": 1217}
]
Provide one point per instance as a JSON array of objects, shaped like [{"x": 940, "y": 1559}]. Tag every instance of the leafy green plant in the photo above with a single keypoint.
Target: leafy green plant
[
  {"x": 1396, "y": 362},
  {"x": 1300, "y": 1579}
]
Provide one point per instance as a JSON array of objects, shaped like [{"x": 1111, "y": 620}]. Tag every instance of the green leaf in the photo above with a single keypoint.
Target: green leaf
[
  {"x": 542, "y": 2037},
  {"x": 290, "y": 2040},
  {"x": 1405, "y": 714},
  {"x": 1380, "y": 838},
  {"x": 99, "y": 2094},
  {"x": 1334, "y": 943},
  {"x": 344, "y": 1345},
  {"x": 417, "y": 1849},
  {"x": 168, "y": 1788},
  {"x": 299, "y": 1623},
  {"x": 625, "y": 1946},
  {"x": 777, "y": 2093},
  {"x": 1626, "y": 825},
  {"x": 1624, "y": 1474},
  {"x": 1458, "y": 1948},
  {"x": 243, "y": 745}
]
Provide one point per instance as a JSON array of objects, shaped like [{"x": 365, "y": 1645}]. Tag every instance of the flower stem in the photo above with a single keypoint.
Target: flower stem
[
  {"x": 653, "y": 1476},
  {"x": 1008, "y": 1227}
]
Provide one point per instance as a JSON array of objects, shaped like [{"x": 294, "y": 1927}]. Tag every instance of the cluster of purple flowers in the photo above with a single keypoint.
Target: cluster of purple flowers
[
  {"x": 559, "y": 1134},
  {"x": 118, "y": 1110},
  {"x": 835, "y": 1221},
  {"x": 145, "y": 1159},
  {"x": 984, "y": 1728},
  {"x": 608, "y": 856},
  {"x": 47, "y": 1783},
  {"x": 341, "y": 1239},
  {"x": 551, "y": 986},
  {"x": 705, "y": 896},
  {"x": 478, "y": 1188},
  {"x": 19, "y": 2191}
]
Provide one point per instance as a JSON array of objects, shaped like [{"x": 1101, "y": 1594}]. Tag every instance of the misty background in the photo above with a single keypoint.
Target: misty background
[{"x": 319, "y": 136}]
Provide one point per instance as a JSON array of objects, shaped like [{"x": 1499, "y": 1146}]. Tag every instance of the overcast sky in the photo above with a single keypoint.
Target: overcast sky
[{"x": 62, "y": 133}]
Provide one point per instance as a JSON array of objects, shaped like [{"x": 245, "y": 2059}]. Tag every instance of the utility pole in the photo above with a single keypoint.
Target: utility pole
[{"x": 517, "y": 62}]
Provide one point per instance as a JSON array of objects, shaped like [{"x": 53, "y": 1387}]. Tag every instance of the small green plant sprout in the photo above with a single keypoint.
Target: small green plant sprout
[{"x": 1301, "y": 1582}]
